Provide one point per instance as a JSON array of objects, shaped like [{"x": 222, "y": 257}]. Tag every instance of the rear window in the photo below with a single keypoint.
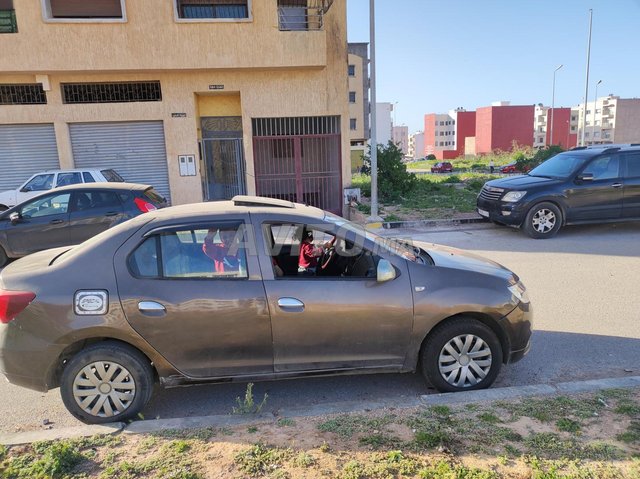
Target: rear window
[
  {"x": 112, "y": 176},
  {"x": 154, "y": 196}
]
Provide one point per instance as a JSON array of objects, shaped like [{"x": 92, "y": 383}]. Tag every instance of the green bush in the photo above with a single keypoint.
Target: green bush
[{"x": 393, "y": 178}]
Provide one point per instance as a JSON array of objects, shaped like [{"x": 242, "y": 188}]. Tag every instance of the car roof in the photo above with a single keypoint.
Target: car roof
[
  {"x": 239, "y": 204},
  {"x": 72, "y": 170},
  {"x": 104, "y": 186}
]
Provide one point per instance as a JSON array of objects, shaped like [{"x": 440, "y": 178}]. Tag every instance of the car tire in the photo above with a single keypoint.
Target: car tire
[
  {"x": 91, "y": 371},
  {"x": 448, "y": 373},
  {"x": 4, "y": 259},
  {"x": 543, "y": 221}
]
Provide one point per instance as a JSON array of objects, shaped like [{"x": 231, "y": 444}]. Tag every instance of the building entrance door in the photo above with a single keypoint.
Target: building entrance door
[{"x": 224, "y": 168}]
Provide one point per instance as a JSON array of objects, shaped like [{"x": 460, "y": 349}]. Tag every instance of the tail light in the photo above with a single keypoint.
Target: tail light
[
  {"x": 144, "y": 206},
  {"x": 12, "y": 303}
]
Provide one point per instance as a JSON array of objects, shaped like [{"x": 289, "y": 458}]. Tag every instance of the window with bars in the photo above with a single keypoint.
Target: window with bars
[
  {"x": 352, "y": 70},
  {"x": 25, "y": 94},
  {"x": 8, "y": 22},
  {"x": 84, "y": 9},
  {"x": 117, "y": 92},
  {"x": 211, "y": 9},
  {"x": 291, "y": 126},
  {"x": 352, "y": 97}
]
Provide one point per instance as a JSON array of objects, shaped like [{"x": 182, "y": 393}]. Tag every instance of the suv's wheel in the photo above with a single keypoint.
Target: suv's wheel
[
  {"x": 106, "y": 382},
  {"x": 544, "y": 220},
  {"x": 4, "y": 259},
  {"x": 461, "y": 355}
]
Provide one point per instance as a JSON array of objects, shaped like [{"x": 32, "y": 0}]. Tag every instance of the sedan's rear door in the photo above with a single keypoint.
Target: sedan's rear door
[{"x": 92, "y": 212}]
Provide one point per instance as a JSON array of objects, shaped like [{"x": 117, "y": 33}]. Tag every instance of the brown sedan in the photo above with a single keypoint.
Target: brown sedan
[{"x": 252, "y": 288}]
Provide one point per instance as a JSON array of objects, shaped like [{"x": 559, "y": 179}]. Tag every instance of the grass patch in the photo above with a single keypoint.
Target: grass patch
[
  {"x": 45, "y": 460},
  {"x": 262, "y": 460},
  {"x": 285, "y": 422},
  {"x": 247, "y": 405},
  {"x": 627, "y": 408},
  {"x": 379, "y": 441},
  {"x": 489, "y": 418},
  {"x": 553, "y": 409},
  {"x": 632, "y": 434},
  {"x": 550, "y": 445},
  {"x": 347, "y": 425},
  {"x": 568, "y": 425}
]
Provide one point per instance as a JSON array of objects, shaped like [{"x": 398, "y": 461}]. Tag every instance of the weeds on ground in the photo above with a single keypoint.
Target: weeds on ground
[{"x": 248, "y": 405}]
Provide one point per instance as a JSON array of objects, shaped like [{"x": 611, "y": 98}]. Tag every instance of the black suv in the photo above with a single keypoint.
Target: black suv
[{"x": 582, "y": 185}]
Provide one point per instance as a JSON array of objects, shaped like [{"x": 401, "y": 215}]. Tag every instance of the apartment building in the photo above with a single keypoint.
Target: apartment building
[
  {"x": 384, "y": 125},
  {"x": 400, "y": 136},
  {"x": 445, "y": 134},
  {"x": 609, "y": 119},
  {"x": 540, "y": 125},
  {"x": 416, "y": 145},
  {"x": 203, "y": 99},
  {"x": 359, "y": 106},
  {"x": 501, "y": 125}
]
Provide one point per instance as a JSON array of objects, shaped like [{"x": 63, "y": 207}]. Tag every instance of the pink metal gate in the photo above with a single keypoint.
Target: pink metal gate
[{"x": 299, "y": 159}]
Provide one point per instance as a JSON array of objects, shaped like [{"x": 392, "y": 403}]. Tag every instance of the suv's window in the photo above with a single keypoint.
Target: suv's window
[
  {"x": 88, "y": 177},
  {"x": 65, "y": 179},
  {"x": 49, "y": 205},
  {"x": 604, "y": 167},
  {"x": 216, "y": 251},
  {"x": 633, "y": 165},
  {"x": 39, "y": 183},
  {"x": 112, "y": 176},
  {"x": 560, "y": 166}
]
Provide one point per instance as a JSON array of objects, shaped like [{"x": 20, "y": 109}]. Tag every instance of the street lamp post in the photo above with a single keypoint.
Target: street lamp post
[
  {"x": 595, "y": 106},
  {"x": 553, "y": 101}
]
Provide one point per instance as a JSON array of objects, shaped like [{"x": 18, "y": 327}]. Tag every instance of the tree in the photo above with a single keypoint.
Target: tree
[
  {"x": 543, "y": 154},
  {"x": 393, "y": 178}
]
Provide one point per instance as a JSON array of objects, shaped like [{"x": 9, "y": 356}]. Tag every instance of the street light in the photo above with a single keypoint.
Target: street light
[
  {"x": 553, "y": 101},
  {"x": 595, "y": 105}
]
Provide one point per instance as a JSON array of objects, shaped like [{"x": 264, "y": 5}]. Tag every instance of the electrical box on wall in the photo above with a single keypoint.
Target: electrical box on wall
[{"x": 187, "y": 165}]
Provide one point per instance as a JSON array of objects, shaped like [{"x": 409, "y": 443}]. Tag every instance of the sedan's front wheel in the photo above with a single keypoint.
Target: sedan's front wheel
[
  {"x": 106, "y": 382},
  {"x": 461, "y": 355}
]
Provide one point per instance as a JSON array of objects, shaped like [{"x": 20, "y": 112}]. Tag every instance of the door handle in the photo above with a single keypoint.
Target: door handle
[
  {"x": 151, "y": 308},
  {"x": 56, "y": 222},
  {"x": 291, "y": 305},
  {"x": 111, "y": 213},
  {"x": 616, "y": 185}
]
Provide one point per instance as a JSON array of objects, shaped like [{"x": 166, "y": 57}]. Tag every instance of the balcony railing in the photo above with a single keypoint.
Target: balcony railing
[
  {"x": 300, "y": 15},
  {"x": 8, "y": 22}
]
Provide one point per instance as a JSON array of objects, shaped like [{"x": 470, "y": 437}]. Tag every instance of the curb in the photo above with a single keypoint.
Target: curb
[
  {"x": 483, "y": 395},
  {"x": 431, "y": 223}
]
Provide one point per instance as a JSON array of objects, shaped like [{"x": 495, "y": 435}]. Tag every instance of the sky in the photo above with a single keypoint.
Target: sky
[{"x": 436, "y": 55}]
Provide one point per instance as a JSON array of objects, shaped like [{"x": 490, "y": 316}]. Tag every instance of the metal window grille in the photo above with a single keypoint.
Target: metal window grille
[
  {"x": 296, "y": 15},
  {"x": 26, "y": 94},
  {"x": 299, "y": 159},
  {"x": 8, "y": 23},
  {"x": 213, "y": 8},
  {"x": 120, "y": 92}
]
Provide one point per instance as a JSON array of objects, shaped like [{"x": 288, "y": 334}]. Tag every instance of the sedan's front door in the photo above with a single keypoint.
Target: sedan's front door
[
  {"x": 601, "y": 197},
  {"x": 323, "y": 323},
  {"x": 195, "y": 294},
  {"x": 43, "y": 224}
]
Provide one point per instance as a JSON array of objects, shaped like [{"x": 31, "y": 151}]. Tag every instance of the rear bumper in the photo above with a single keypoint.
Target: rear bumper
[{"x": 512, "y": 214}]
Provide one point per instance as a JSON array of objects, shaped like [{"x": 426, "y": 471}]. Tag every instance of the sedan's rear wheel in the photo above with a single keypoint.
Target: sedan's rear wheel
[
  {"x": 543, "y": 221},
  {"x": 461, "y": 355},
  {"x": 106, "y": 382}
]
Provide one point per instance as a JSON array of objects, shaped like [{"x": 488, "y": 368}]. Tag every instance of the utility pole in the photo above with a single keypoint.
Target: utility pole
[
  {"x": 586, "y": 81},
  {"x": 374, "y": 218},
  {"x": 553, "y": 101}
]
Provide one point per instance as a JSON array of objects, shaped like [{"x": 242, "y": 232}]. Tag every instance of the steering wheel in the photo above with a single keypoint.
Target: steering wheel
[{"x": 328, "y": 255}]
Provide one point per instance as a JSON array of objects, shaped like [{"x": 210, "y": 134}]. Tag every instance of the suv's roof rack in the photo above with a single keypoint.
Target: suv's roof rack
[{"x": 243, "y": 200}]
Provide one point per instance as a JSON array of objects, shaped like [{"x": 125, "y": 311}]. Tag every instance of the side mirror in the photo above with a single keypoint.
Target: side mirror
[
  {"x": 386, "y": 271},
  {"x": 26, "y": 189},
  {"x": 586, "y": 177},
  {"x": 14, "y": 217}
]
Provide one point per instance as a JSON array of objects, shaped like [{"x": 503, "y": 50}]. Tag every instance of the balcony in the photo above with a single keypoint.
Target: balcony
[
  {"x": 8, "y": 22},
  {"x": 301, "y": 15}
]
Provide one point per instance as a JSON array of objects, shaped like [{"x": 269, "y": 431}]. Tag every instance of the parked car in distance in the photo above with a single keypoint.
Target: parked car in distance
[
  {"x": 214, "y": 292},
  {"x": 71, "y": 215},
  {"x": 512, "y": 168},
  {"x": 48, "y": 180},
  {"x": 582, "y": 185},
  {"x": 442, "y": 167}
]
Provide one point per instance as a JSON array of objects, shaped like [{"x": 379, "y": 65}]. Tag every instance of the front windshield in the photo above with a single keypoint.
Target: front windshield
[
  {"x": 388, "y": 244},
  {"x": 562, "y": 165}
]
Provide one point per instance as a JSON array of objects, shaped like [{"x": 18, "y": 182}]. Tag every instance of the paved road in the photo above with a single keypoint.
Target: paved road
[{"x": 584, "y": 287}]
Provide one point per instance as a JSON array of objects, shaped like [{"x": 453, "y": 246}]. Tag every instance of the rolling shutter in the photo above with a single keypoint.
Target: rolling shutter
[
  {"x": 136, "y": 150},
  {"x": 24, "y": 151}
]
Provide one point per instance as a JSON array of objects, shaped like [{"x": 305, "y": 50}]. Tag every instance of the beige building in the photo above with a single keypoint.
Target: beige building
[
  {"x": 400, "y": 136},
  {"x": 203, "y": 99},
  {"x": 610, "y": 119},
  {"x": 359, "y": 107},
  {"x": 416, "y": 145}
]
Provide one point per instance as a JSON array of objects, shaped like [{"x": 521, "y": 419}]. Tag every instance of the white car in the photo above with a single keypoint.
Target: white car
[{"x": 48, "y": 180}]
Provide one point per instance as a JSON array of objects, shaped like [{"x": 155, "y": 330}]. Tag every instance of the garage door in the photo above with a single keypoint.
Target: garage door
[
  {"x": 24, "y": 151},
  {"x": 136, "y": 150}
]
